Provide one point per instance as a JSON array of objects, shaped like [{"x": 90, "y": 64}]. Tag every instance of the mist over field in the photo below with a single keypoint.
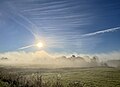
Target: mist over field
[{"x": 47, "y": 60}]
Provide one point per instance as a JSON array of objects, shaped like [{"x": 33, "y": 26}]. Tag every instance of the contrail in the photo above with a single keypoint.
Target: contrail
[
  {"x": 101, "y": 32},
  {"x": 25, "y": 19},
  {"x": 25, "y": 47},
  {"x": 62, "y": 17},
  {"x": 33, "y": 25},
  {"x": 36, "y": 36},
  {"x": 46, "y": 4}
]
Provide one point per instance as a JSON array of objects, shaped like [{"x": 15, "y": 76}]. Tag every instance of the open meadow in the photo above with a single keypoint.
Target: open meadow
[{"x": 60, "y": 77}]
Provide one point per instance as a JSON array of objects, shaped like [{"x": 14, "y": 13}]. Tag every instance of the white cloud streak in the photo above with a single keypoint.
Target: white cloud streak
[
  {"x": 46, "y": 7},
  {"x": 101, "y": 32},
  {"x": 26, "y": 47}
]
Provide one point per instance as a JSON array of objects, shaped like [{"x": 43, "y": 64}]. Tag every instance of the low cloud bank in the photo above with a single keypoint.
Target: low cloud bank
[{"x": 46, "y": 60}]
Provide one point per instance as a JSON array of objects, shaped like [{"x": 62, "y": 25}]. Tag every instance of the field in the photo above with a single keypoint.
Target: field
[{"x": 61, "y": 77}]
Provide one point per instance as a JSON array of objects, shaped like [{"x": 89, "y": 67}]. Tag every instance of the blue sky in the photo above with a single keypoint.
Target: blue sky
[{"x": 81, "y": 26}]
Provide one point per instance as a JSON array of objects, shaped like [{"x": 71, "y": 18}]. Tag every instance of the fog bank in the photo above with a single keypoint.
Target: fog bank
[{"x": 44, "y": 59}]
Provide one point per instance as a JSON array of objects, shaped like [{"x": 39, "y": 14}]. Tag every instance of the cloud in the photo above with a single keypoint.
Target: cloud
[
  {"x": 101, "y": 32},
  {"x": 40, "y": 59},
  {"x": 46, "y": 60},
  {"x": 48, "y": 5},
  {"x": 115, "y": 55},
  {"x": 25, "y": 58}
]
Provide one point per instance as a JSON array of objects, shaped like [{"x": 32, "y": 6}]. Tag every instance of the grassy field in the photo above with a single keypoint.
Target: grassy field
[{"x": 62, "y": 77}]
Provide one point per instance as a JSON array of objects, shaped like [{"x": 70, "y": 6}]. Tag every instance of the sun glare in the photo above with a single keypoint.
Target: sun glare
[{"x": 39, "y": 44}]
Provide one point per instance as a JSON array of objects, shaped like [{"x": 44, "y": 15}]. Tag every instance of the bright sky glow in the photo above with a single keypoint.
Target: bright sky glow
[{"x": 39, "y": 44}]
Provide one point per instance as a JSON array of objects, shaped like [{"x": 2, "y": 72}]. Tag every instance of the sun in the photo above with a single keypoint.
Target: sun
[{"x": 39, "y": 44}]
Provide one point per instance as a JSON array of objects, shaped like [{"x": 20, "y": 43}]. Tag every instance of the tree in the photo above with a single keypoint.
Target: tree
[{"x": 73, "y": 55}]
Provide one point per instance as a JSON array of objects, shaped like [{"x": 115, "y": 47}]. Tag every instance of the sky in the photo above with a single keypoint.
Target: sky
[{"x": 71, "y": 26}]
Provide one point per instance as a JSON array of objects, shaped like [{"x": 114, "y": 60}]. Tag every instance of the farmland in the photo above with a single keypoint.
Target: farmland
[{"x": 60, "y": 77}]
